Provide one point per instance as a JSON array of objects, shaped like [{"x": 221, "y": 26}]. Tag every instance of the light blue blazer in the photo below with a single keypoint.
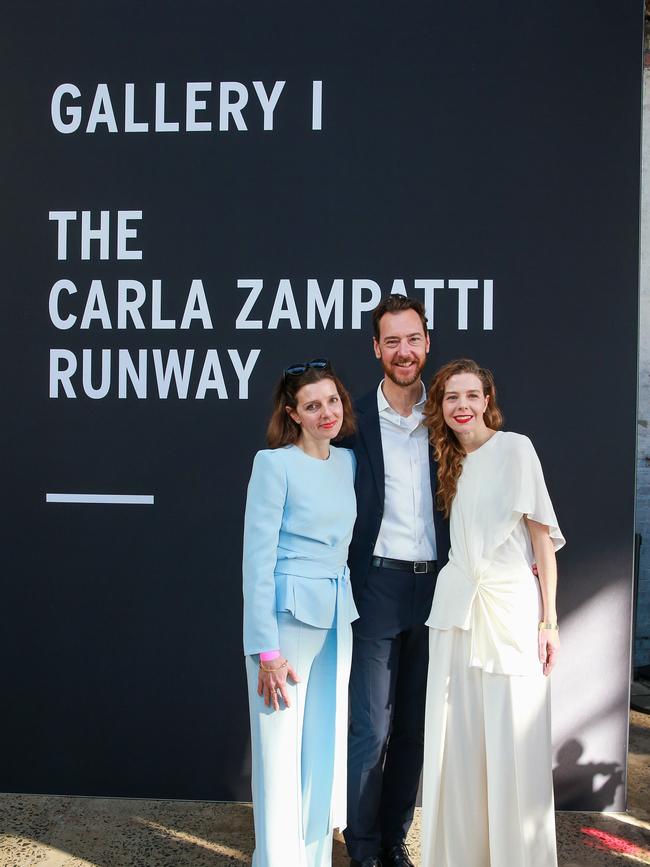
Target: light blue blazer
[{"x": 300, "y": 512}]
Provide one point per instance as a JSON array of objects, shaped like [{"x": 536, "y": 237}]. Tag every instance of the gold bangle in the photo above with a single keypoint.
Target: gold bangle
[
  {"x": 544, "y": 624},
  {"x": 273, "y": 669}
]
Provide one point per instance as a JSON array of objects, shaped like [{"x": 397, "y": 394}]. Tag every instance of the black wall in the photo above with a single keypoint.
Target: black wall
[{"x": 495, "y": 142}]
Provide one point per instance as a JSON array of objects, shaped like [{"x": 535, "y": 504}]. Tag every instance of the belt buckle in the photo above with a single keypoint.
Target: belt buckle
[{"x": 420, "y": 567}]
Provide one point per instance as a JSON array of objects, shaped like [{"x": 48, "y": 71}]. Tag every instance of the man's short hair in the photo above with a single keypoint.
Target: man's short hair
[{"x": 395, "y": 304}]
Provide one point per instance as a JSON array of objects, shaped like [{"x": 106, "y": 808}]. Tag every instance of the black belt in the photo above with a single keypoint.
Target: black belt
[{"x": 421, "y": 567}]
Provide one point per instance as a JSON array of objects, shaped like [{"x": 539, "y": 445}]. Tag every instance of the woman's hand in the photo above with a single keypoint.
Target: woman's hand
[
  {"x": 548, "y": 641},
  {"x": 272, "y": 681}
]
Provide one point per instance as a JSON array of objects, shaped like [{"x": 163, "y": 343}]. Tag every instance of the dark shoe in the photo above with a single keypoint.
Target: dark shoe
[
  {"x": 396, "y": 856},
  {"x": 371, "y": 861}
]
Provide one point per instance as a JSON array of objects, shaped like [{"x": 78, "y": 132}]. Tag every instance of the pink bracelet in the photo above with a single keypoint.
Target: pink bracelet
[{"x": 268, "y": 655}]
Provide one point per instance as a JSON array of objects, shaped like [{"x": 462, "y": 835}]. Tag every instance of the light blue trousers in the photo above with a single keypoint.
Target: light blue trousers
[{"x": 293, "y": 753}]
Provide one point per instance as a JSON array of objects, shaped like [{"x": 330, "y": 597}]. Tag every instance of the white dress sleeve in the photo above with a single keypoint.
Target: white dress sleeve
[{"x": 530, "y": 494}]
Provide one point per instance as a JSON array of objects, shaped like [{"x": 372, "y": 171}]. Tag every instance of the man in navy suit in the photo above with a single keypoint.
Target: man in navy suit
[{"x": 400, "y": 541}]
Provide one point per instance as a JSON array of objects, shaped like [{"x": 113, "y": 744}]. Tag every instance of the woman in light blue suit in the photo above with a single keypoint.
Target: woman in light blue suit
[{"x": 298, "y": 607}]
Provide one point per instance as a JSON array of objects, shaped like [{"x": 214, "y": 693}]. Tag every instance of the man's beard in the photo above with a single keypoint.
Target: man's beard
[{"x": 404, "y": 383}]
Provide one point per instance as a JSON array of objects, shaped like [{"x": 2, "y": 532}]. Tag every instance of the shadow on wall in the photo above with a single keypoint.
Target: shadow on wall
[{"x": 584, "y": 786}]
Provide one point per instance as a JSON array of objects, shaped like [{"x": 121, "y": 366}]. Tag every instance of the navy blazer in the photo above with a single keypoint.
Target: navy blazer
[{"x": 369, "y": 487}]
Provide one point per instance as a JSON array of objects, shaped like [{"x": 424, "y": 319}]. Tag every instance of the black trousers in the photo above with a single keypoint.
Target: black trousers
[{"x": 387, "y": 702}]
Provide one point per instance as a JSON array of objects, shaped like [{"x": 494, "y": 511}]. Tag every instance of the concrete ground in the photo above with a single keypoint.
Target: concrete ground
[{"x": 102, "y": 832}]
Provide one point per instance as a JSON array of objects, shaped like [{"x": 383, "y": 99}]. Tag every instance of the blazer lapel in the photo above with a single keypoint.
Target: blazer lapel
[
  {"x": 433, "y": 470},
  {"x": 370, "y": 433}
]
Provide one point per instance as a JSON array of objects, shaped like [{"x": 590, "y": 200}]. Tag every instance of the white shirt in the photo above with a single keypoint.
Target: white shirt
[{"x": 406, "y": 531}]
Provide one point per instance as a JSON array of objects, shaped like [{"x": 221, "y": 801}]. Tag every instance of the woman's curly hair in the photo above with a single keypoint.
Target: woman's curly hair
[{"x": 448, "y": 451}]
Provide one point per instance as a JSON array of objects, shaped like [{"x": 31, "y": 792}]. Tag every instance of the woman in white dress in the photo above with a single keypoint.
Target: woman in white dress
[{"x": 488, "y": 789}]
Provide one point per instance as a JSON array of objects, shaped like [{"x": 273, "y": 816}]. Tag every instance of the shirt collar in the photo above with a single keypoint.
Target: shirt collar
[{"x": 384, "y": 406}]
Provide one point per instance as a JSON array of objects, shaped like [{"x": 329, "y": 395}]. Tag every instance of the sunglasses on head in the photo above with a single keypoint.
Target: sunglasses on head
[{"x": 299, "y": 369}]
